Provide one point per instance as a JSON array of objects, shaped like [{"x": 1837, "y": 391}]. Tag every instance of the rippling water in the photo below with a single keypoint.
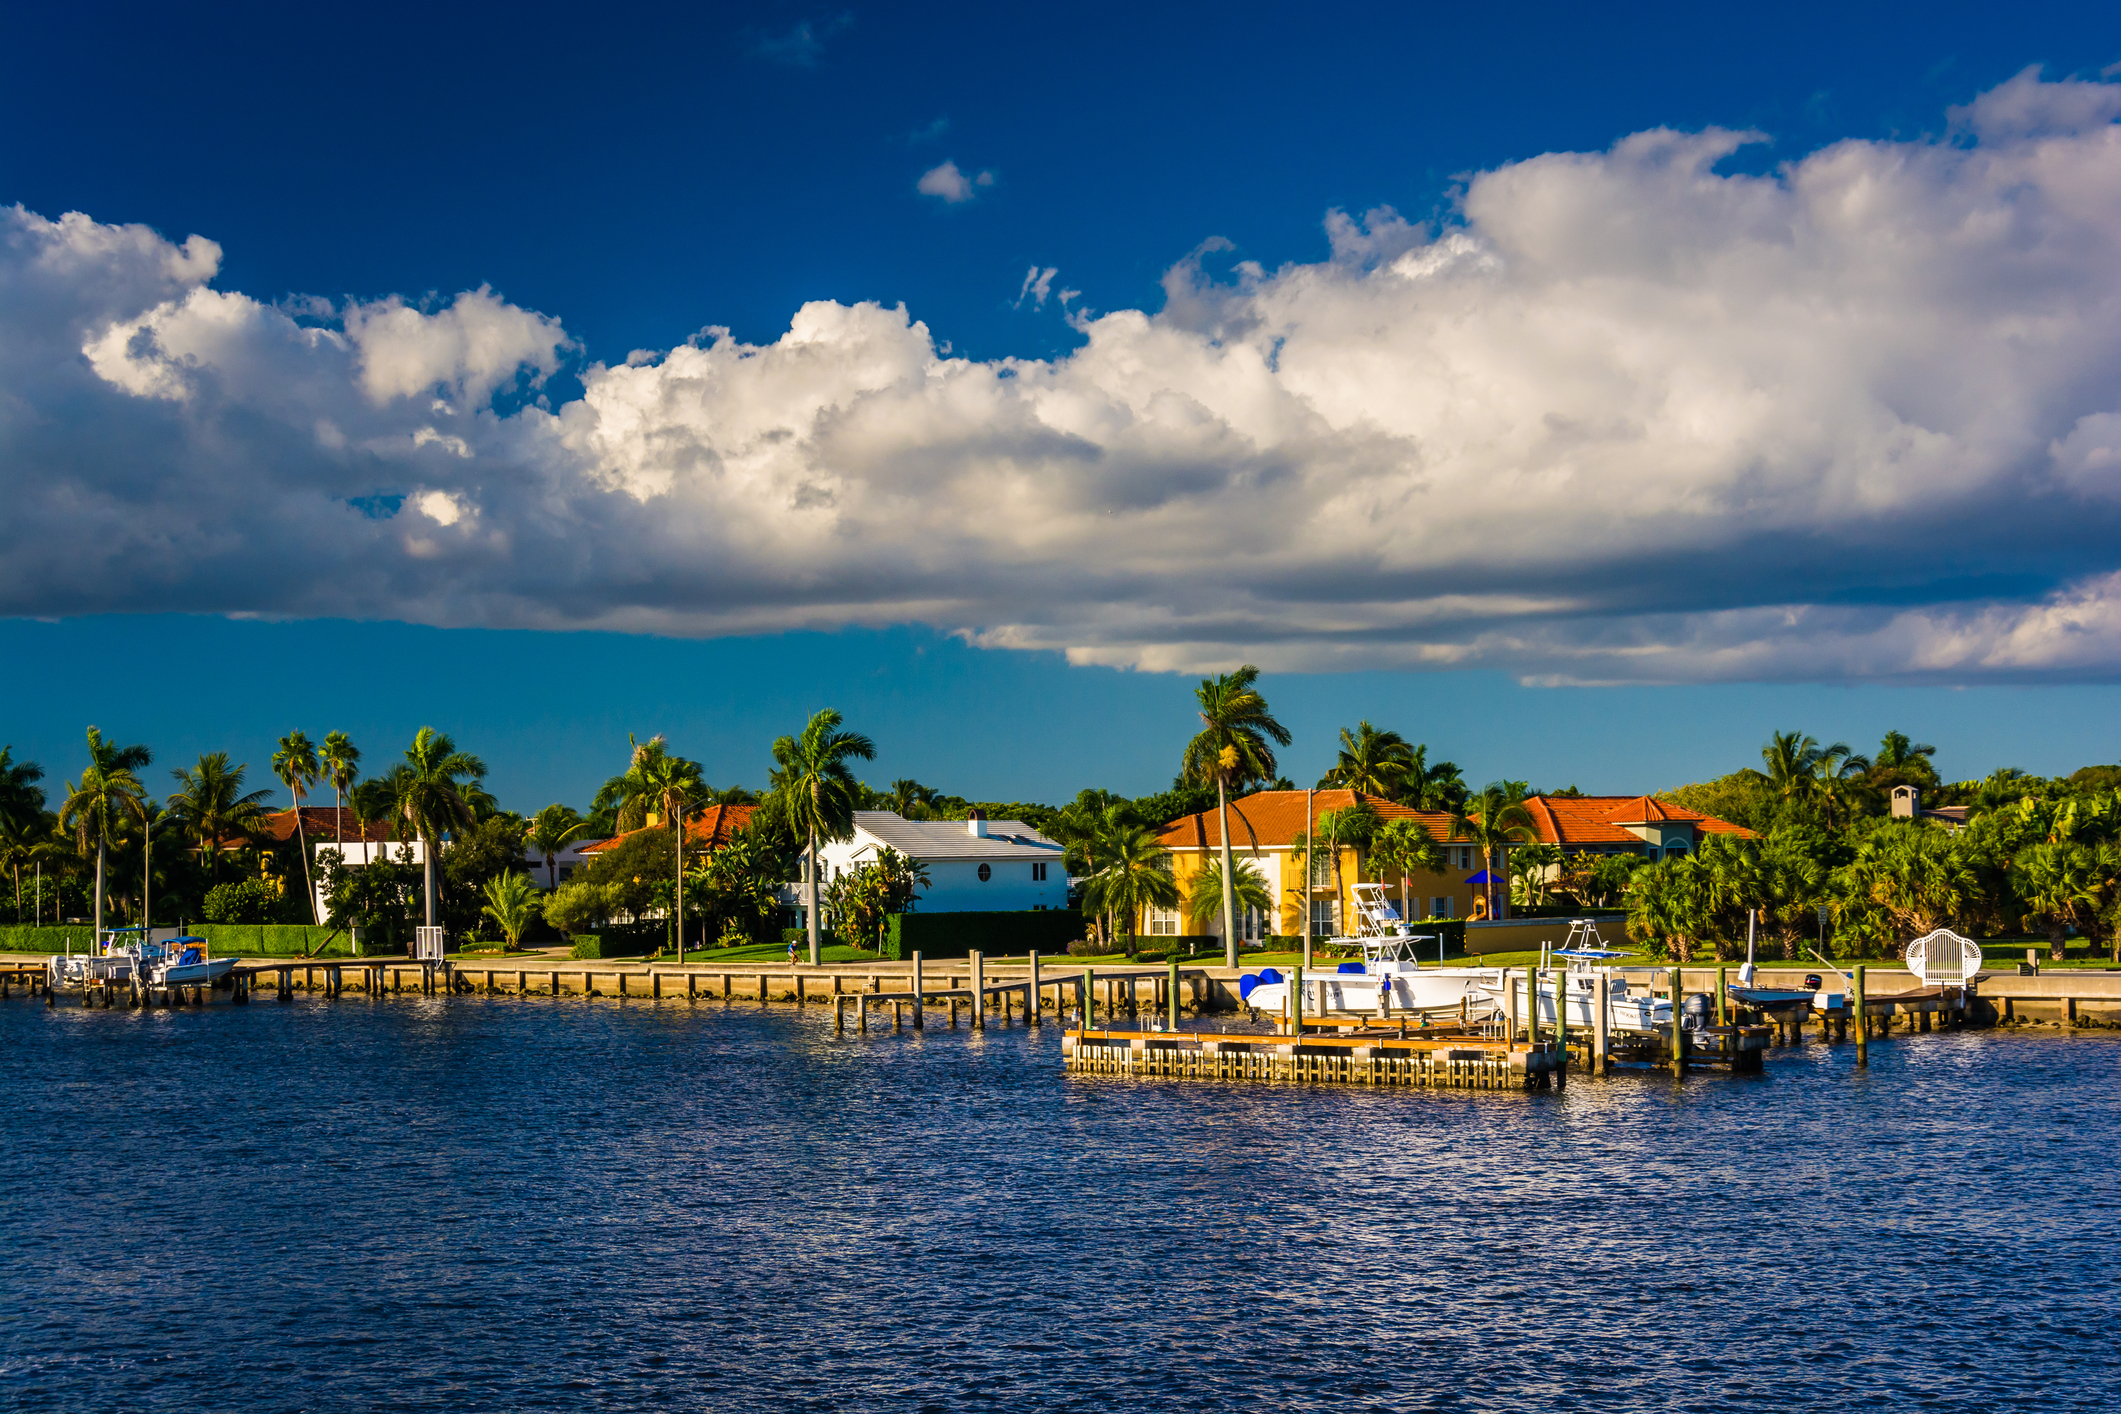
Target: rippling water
[{"x": 521, "y": 1203}]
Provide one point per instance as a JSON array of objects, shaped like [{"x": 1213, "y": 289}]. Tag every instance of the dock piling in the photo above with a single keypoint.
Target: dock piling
[
  {"x": 1171, "y": 994},
  {"x": 1678, "y": 1024},
  {"x": 1031, "y": 997},
  {"x": 1863, "y": 1023},
  {"x": 979, "y": 991}
]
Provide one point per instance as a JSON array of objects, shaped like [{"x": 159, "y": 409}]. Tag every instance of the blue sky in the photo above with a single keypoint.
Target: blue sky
[{"x": 1603, "y": 441}]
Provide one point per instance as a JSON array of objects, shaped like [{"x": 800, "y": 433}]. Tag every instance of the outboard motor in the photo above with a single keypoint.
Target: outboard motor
[
  {"x": 1812, "y": 982},
  {"x": 1699, "y": 1012}
]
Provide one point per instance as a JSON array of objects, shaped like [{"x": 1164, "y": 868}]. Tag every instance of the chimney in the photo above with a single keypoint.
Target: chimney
[
  {"x": 1907, "y": 802},
  {"x": 976, "y": 824}
]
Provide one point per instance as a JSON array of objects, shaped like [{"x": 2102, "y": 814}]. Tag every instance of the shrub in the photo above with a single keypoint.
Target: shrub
[{"x": 244, "y": 901}]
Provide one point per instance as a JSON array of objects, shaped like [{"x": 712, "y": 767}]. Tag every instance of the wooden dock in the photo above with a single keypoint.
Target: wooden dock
[{"x": 1434, "y": 1060}]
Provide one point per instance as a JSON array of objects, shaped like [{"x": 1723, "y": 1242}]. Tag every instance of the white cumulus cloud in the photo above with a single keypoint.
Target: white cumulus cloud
[
  {"x": 1626, "y": 416},
  {"x": 950, "y": 184}
]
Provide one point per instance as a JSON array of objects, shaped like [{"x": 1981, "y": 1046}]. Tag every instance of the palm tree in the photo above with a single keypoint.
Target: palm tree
[
  {"x": 25, "y": 842},
  {"x": 1336, "y": 830},
  {"x": 1493, "y": 821},
  {"x": 1252, "y": 892},
  {"x": 813, "y": 777},
  {"x": 1372, "y": 762},
  {"x": 1136, "y": 875},
  {"x": 1232, "y": 746},
  {"x": 211, "y": 807},
  {"x": 1900, "y": 758},
  {"x": 548, "y": 833},
  {"x": 341, "y": 761},
  {"x": 20, "y": 794},
  {"x": 429, "y": 796},
  {"x": 1796, "y": 762},
  {"x": 512, "y": 901},
  {"x": 1844, "y": 783},
  {"x": 1401, "y": 847},
  {"x": 1085, "y": 828},
  {"x": 670, "y": 783},
  {"x": 108, "y": 790},
  {"x": 911, "y": 799},
  {"x": 296, "y": 764}
]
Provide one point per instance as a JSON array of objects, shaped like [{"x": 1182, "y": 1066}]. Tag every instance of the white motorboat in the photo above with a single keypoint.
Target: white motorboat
[
  {"x": 1389, "y": 981},
  {"x": 115, "y": 959},
  {"x": 1572, "y": 989},
  {"x": 184, "y": 963}
]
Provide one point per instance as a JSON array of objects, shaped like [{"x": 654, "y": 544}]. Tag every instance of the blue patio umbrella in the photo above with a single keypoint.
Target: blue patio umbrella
[{"x": 1484, "y": 878}]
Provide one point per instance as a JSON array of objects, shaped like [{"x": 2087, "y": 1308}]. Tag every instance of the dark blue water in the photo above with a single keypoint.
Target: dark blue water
[{"x": 518, "y": 1203}]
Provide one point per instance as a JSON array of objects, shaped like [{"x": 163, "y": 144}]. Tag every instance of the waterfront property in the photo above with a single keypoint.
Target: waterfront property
[
  {"x": 973, "y": 866},
  {"x": 706, "y": 830},
  {"x": 1266, "y": 832},
  {"x": 1267, "y": 829}
]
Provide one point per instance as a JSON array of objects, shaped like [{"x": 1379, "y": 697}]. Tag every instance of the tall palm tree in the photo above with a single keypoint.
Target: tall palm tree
[
  {"x": 1136, "y": 874},
  {"x": 1401, "y": 847},
  {"x": 1336, "y": 830},
  {"x": 108, "y": 791},
  {"x": 429, "y": 794},
  {"x": 20, "y": 795},
  {"x": 341, "y": 761},
  {"x": 812, "y": 775},
  {"x": 1494, "y": 822},
  {"x": 1372, "y": 762},
  {"x": 1207, "y": 895},
  {"x": 26, "y": 842},
  {"x": 548, "y": 833},
  {"x": 211, "y": 807},
  {"x": 1084, "y": 827},
  {"x": 1796, "y": 762},
  {"x": 669, "y": 783},
  {"x": 1232, "y": 746},
  {"x": 296, "y": 764}
]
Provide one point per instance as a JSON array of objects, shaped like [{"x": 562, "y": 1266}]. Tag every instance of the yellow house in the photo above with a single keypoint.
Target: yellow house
[{"x": 1264, "y": 830}]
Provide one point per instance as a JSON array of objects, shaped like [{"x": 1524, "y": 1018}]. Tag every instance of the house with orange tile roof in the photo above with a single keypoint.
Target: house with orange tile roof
[
  {"x": 1265, "y": 828},
  {"x": 707, "y": 829}
]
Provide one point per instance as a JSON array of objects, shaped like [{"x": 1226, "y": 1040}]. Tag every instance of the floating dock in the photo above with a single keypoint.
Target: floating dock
[{"x": 1435, "y": 1060}]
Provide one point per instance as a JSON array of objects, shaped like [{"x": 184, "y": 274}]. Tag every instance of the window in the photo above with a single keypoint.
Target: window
[
  {"x": 1251, "y": 925},
  {"x": 1440, "y": 907},
  {"x": 1321, "y": 868},
  {"x": 1163, "y": 922},
  {"x": 986, "y": 872},
  {"x": 1038, "y": 873},
  {"x": 1325, "y": 917}
]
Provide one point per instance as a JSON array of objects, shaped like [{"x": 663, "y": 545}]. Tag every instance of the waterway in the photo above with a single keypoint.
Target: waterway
[{"x": 522, "y": 1203}]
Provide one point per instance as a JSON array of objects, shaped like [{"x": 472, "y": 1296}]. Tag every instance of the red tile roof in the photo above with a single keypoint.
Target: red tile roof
[
  {"x": 1602, "y": 819},
  {"x": 712, "y": 828},
  {"x": 1272, "y": 819},
  {"x": 322, "y": 822}
]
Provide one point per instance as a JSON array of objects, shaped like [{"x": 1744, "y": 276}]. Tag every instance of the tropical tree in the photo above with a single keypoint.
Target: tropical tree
[
  {"x": 296, "y": 764},
  {"x": 1337, "y": 830},
  {"x": 1845, "y": 784},
  {"x": 1529, "y": 866},
  {"x": 870, "y": 896},
  {"x": 26, "y": 842},
  {"x": 1087, "y": 829},
  {"x": 341, "y": 761},
  {"x": 548, "y": 833},
  {"x": 1135, "y": 875},
  {"x": 2066, "y": 885},
  {"x": 108, "y": 792},
  {"x": 1493, "y": 821},
  {"x": 513, "y": 903},
  {"x": 1404, "y": 848},
  {"x": 656, "y": 782},
  {"x": 20, "y": 795},
  {"x": 1905, "y": 880},
  {"x": 1372, "y": 762},
  {"x": 818, "y": 788},
  {"x": 1903, "y": 761},
  {"x": 1438, "y": 787},
  {"x": 1252, "y": 892},
  {"x": 428, "y": 794},
  {"x": 211, "y": 807},
  {"x": 911, "y": 800},
  {"x": 1232, "y": 746}
]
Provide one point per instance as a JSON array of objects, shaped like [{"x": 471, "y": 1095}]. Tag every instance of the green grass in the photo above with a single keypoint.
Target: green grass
[{"x": 773, "y": 952}]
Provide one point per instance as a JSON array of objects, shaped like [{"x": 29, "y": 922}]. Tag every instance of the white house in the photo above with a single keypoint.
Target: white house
[{"x": 976, "y": 865}]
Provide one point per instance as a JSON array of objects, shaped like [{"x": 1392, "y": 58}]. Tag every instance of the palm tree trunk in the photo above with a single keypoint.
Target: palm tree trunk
[
  {"x": 1222, "y": 804},
  {"x": 427, "y": 876},
  {"x": 99, "y": 887},
  {"x": 302, "y": 843},
  {"x": 815, "y": 952},
  {"x": 680, "y": 920}
]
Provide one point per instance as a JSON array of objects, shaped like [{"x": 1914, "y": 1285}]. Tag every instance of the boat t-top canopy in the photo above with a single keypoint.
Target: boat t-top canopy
[{"x": 1589, "y": 952}]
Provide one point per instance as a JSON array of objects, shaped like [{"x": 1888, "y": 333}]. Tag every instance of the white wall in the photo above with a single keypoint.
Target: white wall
[{"x": 954, "y": 885}]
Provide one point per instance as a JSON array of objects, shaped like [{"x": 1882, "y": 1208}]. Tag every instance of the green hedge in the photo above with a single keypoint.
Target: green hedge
[
  {"x": 26, "y": 937},
  {"x": 948, "y": 935},
  {"x": 622, "y": 940},
  {"x": 223, "y": 939}
]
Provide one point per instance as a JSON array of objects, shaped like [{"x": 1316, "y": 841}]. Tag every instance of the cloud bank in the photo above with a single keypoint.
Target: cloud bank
[{"x": 1624, "y": 417}]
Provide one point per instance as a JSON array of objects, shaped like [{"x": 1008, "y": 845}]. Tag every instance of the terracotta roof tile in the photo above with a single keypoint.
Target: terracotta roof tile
[
  {"x": 1272, "y": 819},
  {"x": 712, "y": 828}
]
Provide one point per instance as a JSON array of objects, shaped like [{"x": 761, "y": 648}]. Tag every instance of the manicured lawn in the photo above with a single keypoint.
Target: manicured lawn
[{"x": 774, "y": 952}]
